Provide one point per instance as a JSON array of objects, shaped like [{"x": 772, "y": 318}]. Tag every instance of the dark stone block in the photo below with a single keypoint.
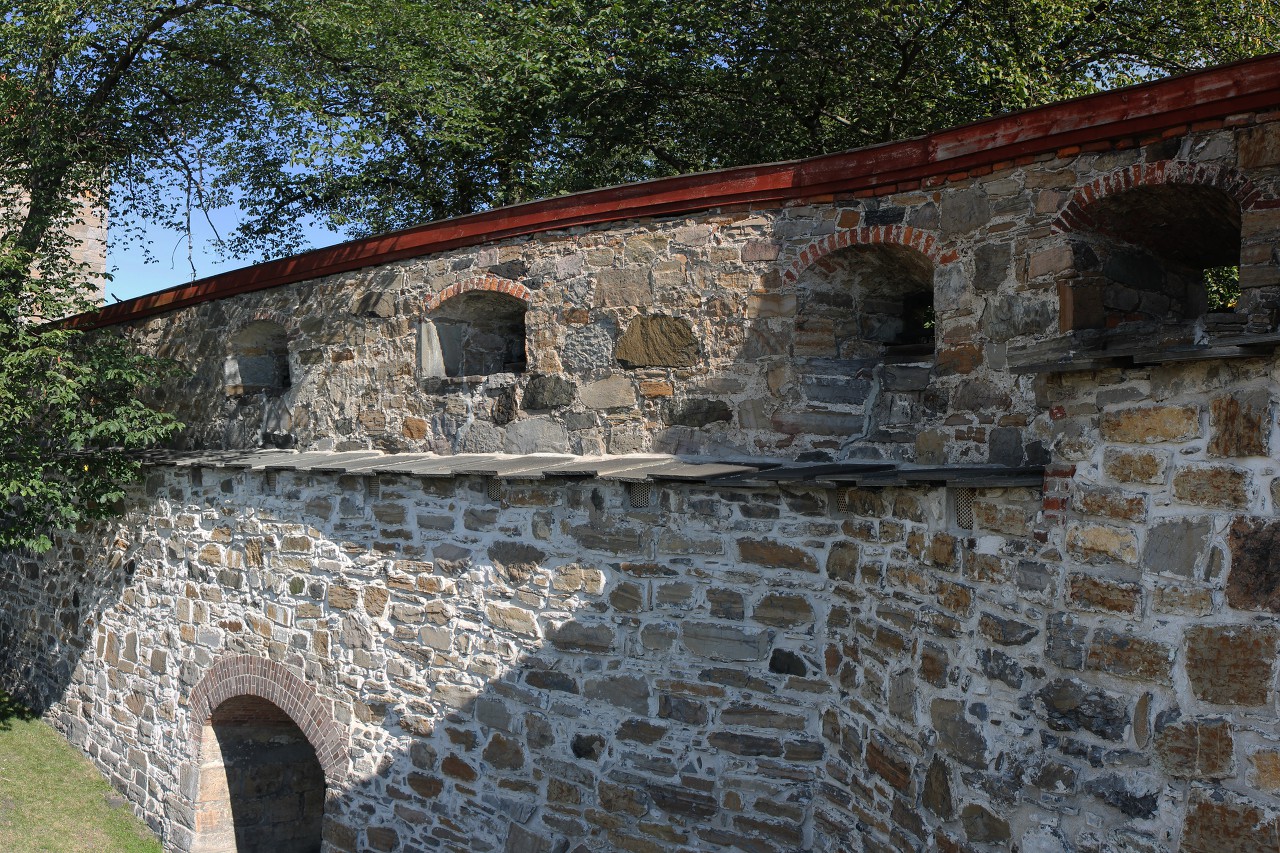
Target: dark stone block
[
  {"x": 1123, "y": 793},
  {"x": 1071, "y": 705},
  {"x": 1254, "y": 581},
  {"x": 699, "y": 413},
  {"x": 548, "y": 392}
]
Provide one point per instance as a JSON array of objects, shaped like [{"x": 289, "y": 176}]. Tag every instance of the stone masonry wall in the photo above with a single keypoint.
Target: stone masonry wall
[
  {"x": 757, "y": 670},
  {"x": 1091, "y": 668},
  {"x": 748, "y": 331}
]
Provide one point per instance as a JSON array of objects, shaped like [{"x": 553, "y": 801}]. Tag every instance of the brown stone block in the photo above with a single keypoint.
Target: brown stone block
[
  {"x": 1096, "y": 542},
  {"x": 1231, "y": 665},
  {"x": 1130, "y": 656},
  {"x": 1111, "y": 503},
  {"x": 1240, "y": 425},
  {"x": 1212, "y": 485},
  {"x": 1266, "y": 769},
  {"x": 958, "y": 359},
  {"x": 765, "y": 552},
  {"x": 1134, "y": 466},
  {"x": 783, "y": 611},
  {"x": 1258, "y": 146},
  {"x": 414, "y": 428},
  {"x": 1092, "y": 593},
  {"x": 1197, "y": 749},
  {"x": 888, "y": 765},
  {"x": 1151, "y": 424},
  {"x": 1218, "y": 821},
  {"x": 1254, "y": 581}
]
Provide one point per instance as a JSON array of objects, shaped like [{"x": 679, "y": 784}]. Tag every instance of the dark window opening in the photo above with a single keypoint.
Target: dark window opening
[
  {"x": 475, "y": 334},
  {"x": 1156, "y": 256},
  {"x": 866, "y": 302},
  {"x": 259, "y": 360}
]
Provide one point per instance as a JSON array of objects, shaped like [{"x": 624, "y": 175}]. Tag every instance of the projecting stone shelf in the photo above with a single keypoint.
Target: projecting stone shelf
[
  {"x": 640, "y": 468},
  {"x": 1095, "y": 350}
]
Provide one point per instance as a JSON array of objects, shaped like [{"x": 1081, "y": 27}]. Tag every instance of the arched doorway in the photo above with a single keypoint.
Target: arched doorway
[{"x": 262, "y": 787}]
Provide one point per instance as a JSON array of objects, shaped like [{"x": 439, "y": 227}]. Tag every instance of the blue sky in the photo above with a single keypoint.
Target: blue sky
[{"x": 134, "y": 277}]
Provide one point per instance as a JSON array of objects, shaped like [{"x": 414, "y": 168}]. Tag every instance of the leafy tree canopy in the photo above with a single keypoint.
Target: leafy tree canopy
[{"x": 368, "y": 115}]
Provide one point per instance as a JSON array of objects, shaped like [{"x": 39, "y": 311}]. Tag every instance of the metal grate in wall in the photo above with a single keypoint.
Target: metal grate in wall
[{"x": 962, "y": 507}]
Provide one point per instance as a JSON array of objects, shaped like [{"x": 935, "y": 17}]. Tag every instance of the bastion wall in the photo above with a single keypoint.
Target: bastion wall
[{"x": 1084, "y": 664}]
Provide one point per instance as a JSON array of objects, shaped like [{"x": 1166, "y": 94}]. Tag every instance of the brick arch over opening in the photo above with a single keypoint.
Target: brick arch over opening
[
  {"x": 1075, "y": 216},
  {"x": 249, "y": 675},
  {"x": 924, "y": 242},
  {"x": 491, "y": 283}
]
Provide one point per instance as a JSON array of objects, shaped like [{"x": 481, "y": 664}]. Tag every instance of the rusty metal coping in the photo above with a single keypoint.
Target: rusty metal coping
[
  {"x": 638, "y": 468},
  {"x": 1176, "y": 102}
]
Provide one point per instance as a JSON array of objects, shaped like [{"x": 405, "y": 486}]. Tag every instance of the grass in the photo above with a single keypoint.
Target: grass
[{"x": 52, "y": 800}]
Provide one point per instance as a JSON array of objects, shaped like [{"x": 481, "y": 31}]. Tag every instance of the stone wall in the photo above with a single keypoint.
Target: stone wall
[
  {"x": 758, "y": 331},
  {"x": 729, "y": 669},
  {"x": 1091, "y": 667}
]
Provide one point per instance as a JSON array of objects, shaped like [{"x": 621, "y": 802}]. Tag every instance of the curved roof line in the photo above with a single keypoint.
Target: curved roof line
[{"x": 1241, "y": 87}]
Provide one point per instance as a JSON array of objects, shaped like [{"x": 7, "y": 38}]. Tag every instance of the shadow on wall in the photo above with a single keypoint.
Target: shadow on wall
[{"x": 498, "y": 693}]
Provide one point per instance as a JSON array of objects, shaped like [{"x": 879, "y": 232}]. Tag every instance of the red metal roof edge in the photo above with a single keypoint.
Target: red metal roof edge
[{"x": 1244, "y": 86}]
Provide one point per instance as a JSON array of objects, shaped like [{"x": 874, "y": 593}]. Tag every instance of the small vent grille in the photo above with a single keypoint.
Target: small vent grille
[
  {"x": 842, "y": 500},
  {"x": 962, "y": 507},
  {"x": 494, "y": 487},
  {"x": 372, "y": 488},
  {"x": 270, "y": 480},
  {"x": 639, "y": 494}
]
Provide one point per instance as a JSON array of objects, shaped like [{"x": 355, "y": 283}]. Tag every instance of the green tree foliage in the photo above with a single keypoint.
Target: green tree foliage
[
  {"x": 440, "y": 110},
  {"x": 368, "y": 115},
  {"x": 92, "y": 94}
]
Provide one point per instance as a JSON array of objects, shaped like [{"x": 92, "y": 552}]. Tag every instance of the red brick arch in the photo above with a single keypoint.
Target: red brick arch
[
  {"x": 249, "y": 675},
  {"x": 491, "y": 283},
  {"x": 924, "y": 242},
  {"x": 1075, "y": 216}
]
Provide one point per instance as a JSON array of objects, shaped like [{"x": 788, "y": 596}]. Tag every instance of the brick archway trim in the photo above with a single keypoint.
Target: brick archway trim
[
  {"x": 249, "y": 675},
  {"x": 491, "y": 283},
  {"x": 924, "y": 242},
  {"x": 1075, "y": 216}
]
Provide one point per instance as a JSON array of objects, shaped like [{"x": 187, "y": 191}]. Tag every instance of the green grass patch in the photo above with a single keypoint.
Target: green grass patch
[{"x": 53, "y": 800}]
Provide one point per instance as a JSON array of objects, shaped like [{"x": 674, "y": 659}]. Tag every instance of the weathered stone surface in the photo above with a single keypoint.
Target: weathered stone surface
[
  {"x": 983, "y": 826},
  {"x": 615, "y": 392},
  {"x": 783, "y": 611},
  {"x": 581, "y": 637},
  {"x": 1240, "y": 424},
  {"x": 1212, "y": 486},
  {"x": 1231, "y": 665},
  {"x": 763, "y": 552},
  {"x": 1070, "y": 705},
  {"x": 515, "y": 561},
  {"x": 1135, "y": 796},
  {"x": 936, "y": 794},
  {"x": 1254, "y": 580},
  {"x": 657, "y": 341},
  {"x": 1130, "y": 656},
  {"x": 1006, "y": 632},
  {"x": 961, "y": 739},
  {"x": 724, "y": 642},
  {"x": 1219, "y": 821},
  {"x": 1151, "y": 424},
  {"x": 1175, "y": 546},
  {"x": 620, "y": 288},
  {"x": 625, "y": 691},
  {"x": 549, "y": 392},
  {"x": 1196, "y": 749},
  {"x": 1135, "y": 466},
  {"x": 1097, "y": 542},
  {"x": 700, "y": 413},
  {"x": 1093, "y": 593}
]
